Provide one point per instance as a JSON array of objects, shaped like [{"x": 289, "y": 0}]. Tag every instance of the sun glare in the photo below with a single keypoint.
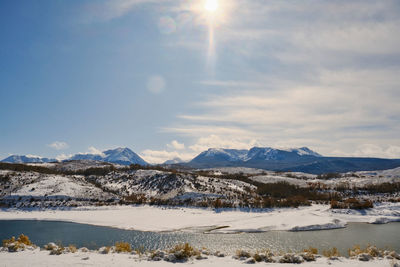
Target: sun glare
[{"x": 211, "y": 5}]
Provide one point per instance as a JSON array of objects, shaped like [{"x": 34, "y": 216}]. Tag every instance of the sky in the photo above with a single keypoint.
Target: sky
[{"x": 171, "y": 78}]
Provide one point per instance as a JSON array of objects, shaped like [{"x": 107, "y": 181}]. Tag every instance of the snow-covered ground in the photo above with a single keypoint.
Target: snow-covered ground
[
  {"x": 357, "y": 179},
  {"x": 37, "y": 258},
  {"x": 151, "y": 218},
  {"x": 33, "y": 189}
]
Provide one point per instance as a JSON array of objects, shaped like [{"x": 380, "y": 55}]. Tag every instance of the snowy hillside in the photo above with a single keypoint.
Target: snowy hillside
[{"x": 98, "y": 183}]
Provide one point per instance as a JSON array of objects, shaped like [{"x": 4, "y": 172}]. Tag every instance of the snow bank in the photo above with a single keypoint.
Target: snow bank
[
  {"x": 42, "y": 258},
  {"x": 150, "y": 218},
  {"x": 335, "y": 224}
]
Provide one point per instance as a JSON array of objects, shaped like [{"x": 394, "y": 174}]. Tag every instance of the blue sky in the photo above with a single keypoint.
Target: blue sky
[{"x": 171, "y": 78}]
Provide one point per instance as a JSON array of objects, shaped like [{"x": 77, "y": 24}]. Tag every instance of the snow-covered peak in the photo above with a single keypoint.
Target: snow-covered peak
[
  {"x": 227, "y": 154},
  {"x": 27, "y": 159},
  {"x": 253, "y": 154},
  {"x": 120, "y": 155},
  {"x": 304, "y": 151},
  {"x": 175, "y": 160},
  {"x": 266, "y": 153},
  {"x": 123, "y": 155},
  {"x": 214, "y": 151}
]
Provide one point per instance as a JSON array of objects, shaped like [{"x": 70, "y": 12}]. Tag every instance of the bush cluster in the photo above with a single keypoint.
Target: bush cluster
[
  {"x": 184, "y": 251},
  {"x": 122, "y": 247},
  {"x": 352, "y": 203}
]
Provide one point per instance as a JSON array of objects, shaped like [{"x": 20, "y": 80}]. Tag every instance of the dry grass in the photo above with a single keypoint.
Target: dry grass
[
  {"x": 311, "y": 250},
  {"x": 6, "y": 242},
  {"x": 72, "y": 248},
  {"x": 140, "y": 250},
  {"x": 107, "y": 250},
  {"x": 331, "y": 252},
  {"x": 15, "y": 244},
  {"x": 242, "y": 253},
  {"x": 122, "y": 247},
  {"x": 184, "y": 251},
  {"x": 24, "y": 240},
  {"x": 370, "y": 250}
]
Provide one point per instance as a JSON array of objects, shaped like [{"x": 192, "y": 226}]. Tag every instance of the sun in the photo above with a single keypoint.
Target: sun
[{"x": 211, "y": 5}]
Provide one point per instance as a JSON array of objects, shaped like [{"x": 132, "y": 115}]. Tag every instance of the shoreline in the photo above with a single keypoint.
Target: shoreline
[
  {"x": 40, "y": 257},
  {"x": 162, "y": 219}
]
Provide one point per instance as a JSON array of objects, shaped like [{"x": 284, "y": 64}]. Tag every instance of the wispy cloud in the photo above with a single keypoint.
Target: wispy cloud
[
  {"x": 107, "y": 10},
  {"x": 58, "y": 145},
  {"x": 177, "y": 150},
  {"x": 160, "y": 156},
  {"x": 96, "y": 151},
  {"x": 176, "y": 145},
  {"x": 63, "y": 156},
  {"x": 321, "y": 73}
]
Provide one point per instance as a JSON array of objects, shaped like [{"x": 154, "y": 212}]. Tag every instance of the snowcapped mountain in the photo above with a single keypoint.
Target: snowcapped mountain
[
  {"x": 300, "y": 159},
  {"x": 268, "y": 153},
  {"x": 174, "y": 161},
  {"x": 223, "y": 154},
  {"x": 302, "y": 151},
  {"x": 254, "y": 154},
  {"x": 121, "y": 155},
  {"x": 27, "y": 159}
]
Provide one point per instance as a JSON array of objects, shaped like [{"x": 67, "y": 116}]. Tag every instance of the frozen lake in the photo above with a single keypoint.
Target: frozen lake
[{"x": 42, "y": 232}]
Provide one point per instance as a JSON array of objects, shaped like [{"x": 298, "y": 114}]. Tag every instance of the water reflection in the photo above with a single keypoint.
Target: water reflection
[{"x": 42, "y": 232}]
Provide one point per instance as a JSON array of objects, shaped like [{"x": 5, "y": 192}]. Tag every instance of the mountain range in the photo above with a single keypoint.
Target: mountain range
[
  {"x": 27, "y": 159},
  {"x": 123, "y": 156},
  {"x": 295, "y": 159}
]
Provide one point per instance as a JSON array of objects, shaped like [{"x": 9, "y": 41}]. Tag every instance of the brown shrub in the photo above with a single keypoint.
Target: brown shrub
[
  {"x": 311, "y": 250},
  {"x": 352, "y": 203},
  {"x": 122, "y": 247},
  {"x": 331, "y": 252},
  {"x": 184, "y": 251}
]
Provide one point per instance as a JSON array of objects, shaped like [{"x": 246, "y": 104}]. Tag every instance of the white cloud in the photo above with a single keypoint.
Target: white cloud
[
  {"x": 176, "y": 145},
  {"x": 373, "y": 150},
  {"x": 216, "y": 141},
  {"x": 323, "y": 74},
  {"x": 33, "y": 156},
  {"x": 160, "y": 156},
  {"x": 108, "y": 10},
  {"x": 93, "y": 150},
  {"x": 156, "y": 84},
  {"x": 201, "y": 144},
  {"x": 63, "y": 156},
  {"x": 339, "y": 110},
  {"x": 58, "y": 145}
]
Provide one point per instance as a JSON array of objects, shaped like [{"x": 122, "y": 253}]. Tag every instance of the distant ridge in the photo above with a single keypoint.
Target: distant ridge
[
  {"x": 26, "y": 159},
  {"x": 295, "y": 159},
  {"x": 300, "y": 159},
  {"x": 253, "y": 155},
  {"x": 173, "y": 161},
  {"x": 121, "y": 155}
]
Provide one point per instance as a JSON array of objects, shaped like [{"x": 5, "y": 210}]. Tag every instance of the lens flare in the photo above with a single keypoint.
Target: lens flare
[{"x": 211, "y": 5}]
